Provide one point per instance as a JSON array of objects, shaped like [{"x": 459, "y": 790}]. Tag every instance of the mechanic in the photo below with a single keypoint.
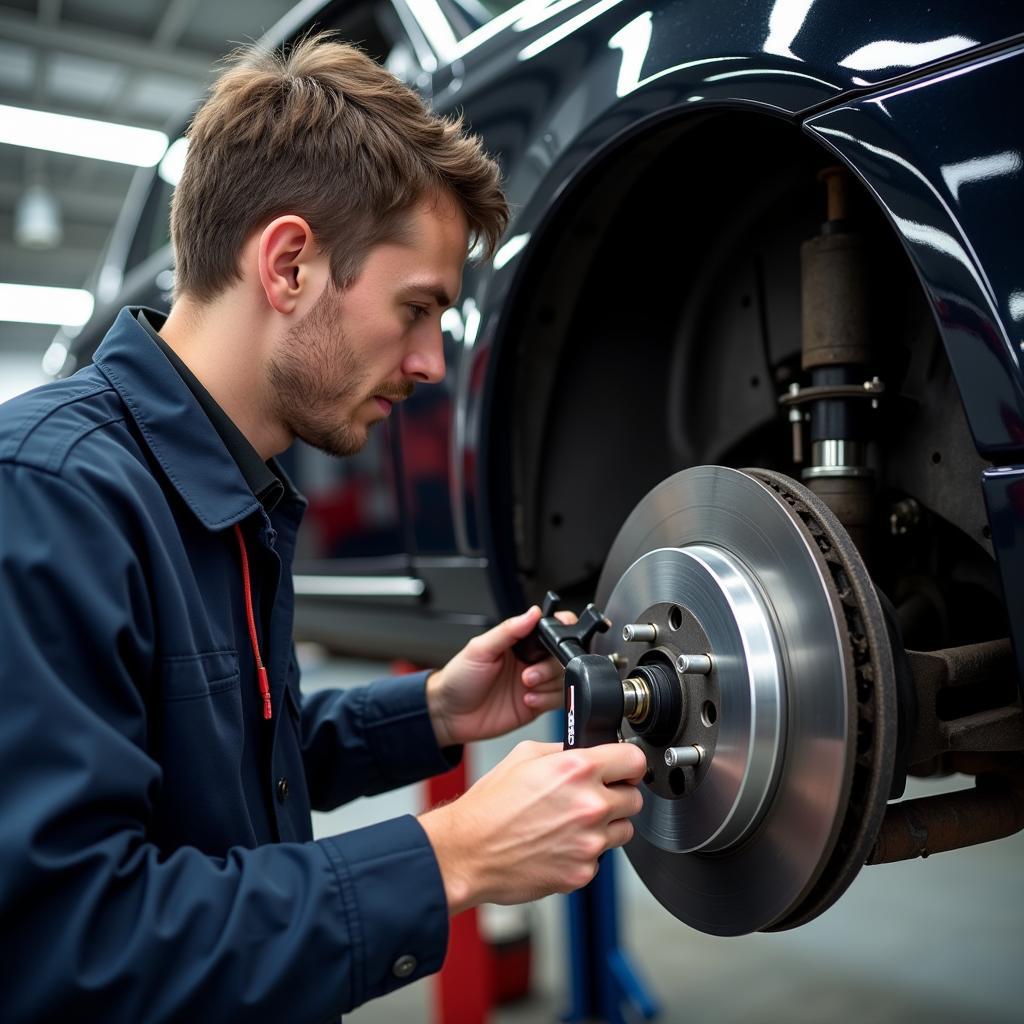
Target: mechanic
[{"x": 158, "y": 762}]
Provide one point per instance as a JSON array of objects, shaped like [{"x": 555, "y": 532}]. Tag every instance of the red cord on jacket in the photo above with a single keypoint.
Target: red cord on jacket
[{"x": 261, "y": 672}]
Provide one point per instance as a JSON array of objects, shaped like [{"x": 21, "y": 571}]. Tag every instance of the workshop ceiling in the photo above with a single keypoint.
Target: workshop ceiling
[{"x": 132, "y": 62}]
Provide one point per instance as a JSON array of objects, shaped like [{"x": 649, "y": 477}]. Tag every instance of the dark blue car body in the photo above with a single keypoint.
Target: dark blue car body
[{"x": 642, "y": 314}]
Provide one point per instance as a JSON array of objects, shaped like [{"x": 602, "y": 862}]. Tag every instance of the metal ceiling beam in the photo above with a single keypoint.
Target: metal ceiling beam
[
  {"x": 176, "y": 17},
  {"x": 104, "y": 45}
]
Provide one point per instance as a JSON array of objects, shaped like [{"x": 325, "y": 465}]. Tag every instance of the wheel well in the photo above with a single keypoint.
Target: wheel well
[{"x": 660, "y": 322}]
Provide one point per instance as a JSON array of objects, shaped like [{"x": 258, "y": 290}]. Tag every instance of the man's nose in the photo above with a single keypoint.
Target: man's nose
[{"x": 425, "y": 362}]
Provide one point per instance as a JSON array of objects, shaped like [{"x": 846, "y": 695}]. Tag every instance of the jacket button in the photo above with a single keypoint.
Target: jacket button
[
  {"x": 282, "y": 789},
  {"x": 404, "y": 966}
]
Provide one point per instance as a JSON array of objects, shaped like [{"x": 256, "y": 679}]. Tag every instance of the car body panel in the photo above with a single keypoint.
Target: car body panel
[
  {"x": 947, "y": 167},
  {"x": 556, "y": 113},
  {"x": 555, "y": 89}
]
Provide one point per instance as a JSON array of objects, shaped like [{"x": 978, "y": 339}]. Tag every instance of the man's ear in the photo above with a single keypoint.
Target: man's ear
[{"x": 292, "y": 269}]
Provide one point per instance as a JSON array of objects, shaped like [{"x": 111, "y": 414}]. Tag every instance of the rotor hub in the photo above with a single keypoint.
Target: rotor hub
[{"x": 734, "y": 713}]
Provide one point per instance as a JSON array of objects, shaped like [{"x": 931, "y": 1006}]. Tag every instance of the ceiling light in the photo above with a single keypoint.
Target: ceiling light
[
  {"x": 37, "y": 219},
  {"x": 81, "y": 136},
  {"x": 33, "y": 304},
  {"x": 173, "y": 163}
]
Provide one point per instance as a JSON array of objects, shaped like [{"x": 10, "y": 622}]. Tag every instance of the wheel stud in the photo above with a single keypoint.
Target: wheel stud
[
  {"x": 641, "y": 633},
  {"x": 698, "y": 664},
  {"x": 684, "y": 757}
]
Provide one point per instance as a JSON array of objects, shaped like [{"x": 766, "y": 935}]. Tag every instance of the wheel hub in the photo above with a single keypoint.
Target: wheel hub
[
  {"x": 794, "y": 720},
  {"x": 733, "y": 713}
]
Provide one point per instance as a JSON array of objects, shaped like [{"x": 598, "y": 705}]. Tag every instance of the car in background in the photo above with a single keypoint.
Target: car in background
[{"x": 692, "y": 184}]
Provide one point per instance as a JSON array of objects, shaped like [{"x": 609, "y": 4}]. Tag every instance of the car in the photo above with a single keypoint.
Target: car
[{"x": 746, "y": 370}]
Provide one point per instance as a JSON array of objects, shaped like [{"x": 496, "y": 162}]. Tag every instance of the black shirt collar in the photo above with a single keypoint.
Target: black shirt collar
[{"x": 267, "y": 482}]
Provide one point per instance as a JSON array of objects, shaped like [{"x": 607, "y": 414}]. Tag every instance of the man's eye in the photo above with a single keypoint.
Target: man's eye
[{"x": 419, "y": 312}]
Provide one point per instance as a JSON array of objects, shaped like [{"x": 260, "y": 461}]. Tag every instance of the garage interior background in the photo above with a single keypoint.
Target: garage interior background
[{"x": 940, "y": 937}]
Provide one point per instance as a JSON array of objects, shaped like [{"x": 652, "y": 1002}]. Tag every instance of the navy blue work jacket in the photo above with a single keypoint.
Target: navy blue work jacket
[{"x": 156, "y": 854}]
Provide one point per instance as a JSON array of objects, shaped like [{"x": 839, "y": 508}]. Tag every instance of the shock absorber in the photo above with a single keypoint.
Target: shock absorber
[{"x": 838, "y": 358}]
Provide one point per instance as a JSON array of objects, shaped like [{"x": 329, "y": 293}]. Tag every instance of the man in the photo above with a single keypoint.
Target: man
[{"x": 157, "y": 760}]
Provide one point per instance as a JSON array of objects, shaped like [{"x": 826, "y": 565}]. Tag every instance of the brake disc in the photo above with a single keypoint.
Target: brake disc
[{"x": 794, "y": 723}]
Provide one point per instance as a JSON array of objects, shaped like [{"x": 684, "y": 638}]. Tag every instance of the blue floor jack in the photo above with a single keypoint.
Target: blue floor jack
[{"x": 603, "y": 983}]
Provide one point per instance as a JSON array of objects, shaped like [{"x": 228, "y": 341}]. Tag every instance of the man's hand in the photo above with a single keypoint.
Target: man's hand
[
  {"x": 485, "y": 690},
  {"x": 536, "y": 823}
]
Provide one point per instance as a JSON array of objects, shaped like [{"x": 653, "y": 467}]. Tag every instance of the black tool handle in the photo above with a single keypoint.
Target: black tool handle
[
  {"x": 593, "y": 702},
  {"x": 593, "y": 690},
  {"x": 551, "y": 636}
]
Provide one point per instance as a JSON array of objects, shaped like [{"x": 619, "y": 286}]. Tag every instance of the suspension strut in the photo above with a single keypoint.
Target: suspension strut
[{"x": 838, "y": 357}]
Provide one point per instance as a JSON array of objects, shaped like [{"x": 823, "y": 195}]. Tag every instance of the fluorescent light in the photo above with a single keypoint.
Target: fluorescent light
[
  {"x": 32, "y": 304},
  {"x": 54, "y": 358},
  {"x": 81, "y": 136},
  {"x": 37, "y": 219},
  {"x": 173, "y": 162}
]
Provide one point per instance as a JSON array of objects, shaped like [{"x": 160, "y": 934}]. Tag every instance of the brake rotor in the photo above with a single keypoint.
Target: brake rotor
[{"x": 794, "y": 723}]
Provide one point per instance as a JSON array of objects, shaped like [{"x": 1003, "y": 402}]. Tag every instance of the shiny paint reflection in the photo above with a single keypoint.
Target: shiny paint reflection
[
  {"x": 980, "y": 168},
  {"x": 946, "y": 166},
  {"x": 885, "y": 54},
  {"x": 784, "y": 24},
  {"x": 538, "y": 46},
  {"x": 634, "y": 40}
]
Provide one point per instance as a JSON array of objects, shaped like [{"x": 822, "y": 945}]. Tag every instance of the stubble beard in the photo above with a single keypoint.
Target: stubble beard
[{"x": 315, "y": 375}]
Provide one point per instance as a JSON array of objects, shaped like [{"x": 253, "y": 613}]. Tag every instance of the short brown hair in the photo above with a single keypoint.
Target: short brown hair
[{"x": 324, "y": 132}]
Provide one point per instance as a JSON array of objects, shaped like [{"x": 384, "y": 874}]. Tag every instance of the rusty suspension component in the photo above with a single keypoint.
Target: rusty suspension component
[
  {"x": 969, "y": 719},
  {"x": 967, "y": 701},
  {"x": 837, "y": 354},
  {"x": 994, "y": 809}
]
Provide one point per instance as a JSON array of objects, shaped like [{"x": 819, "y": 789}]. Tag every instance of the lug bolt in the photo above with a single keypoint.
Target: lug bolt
[
  {"x": 641, "y": 633},
  {"x": 698, "y": 664},
  {"x": 683, "y": 757}
]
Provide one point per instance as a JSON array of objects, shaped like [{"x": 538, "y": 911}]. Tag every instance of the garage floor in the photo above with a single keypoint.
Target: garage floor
[{"x": 937, "y": 940}]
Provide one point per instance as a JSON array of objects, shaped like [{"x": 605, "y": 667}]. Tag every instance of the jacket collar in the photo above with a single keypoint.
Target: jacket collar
[{"x": 173, "y": 424}]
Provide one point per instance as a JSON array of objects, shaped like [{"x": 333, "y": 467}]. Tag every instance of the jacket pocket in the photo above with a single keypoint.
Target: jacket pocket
[
  {"x": 196, "y": 734},
  {"x": 188, "y": 676}
]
